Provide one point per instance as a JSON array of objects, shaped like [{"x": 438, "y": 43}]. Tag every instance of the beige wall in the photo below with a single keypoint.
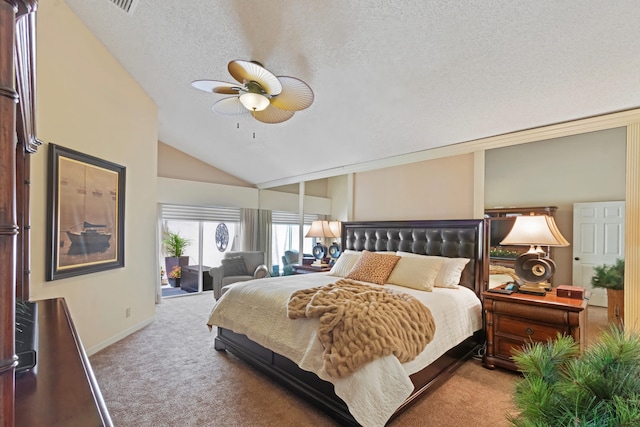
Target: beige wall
[
  {"x": 317, "y": 187},
  {"x": 431, "y": 189},
  {"x": 559, "y": 172},
  {"x": 87, "y": 102},
  {"x": 338, "y": 192},
  {"x": 196, "y": 193},
  {"x": 173, "y": 163}
]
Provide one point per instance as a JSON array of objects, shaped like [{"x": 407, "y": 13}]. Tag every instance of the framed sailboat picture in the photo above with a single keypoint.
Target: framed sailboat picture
[{"x": 85, "y": 201}]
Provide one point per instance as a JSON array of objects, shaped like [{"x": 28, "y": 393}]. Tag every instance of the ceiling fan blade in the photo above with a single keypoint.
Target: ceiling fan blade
[
  {"x": 296, "y": 95},
  {"x": 246, "y": 71},
  {"x": 229, "y": 106},
  {"x": 216, "y": 87},
  {"x": 225, "y": 90},
  {"x": 272, "y": 115}
]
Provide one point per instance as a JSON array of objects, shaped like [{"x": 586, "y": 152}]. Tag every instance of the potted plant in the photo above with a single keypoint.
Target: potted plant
[
  {"x": 611, "y": 278},
  {"x": 173, "y": 246},
  {"x": 561, "y": 387},
  {"x": 174, "y": 276}
]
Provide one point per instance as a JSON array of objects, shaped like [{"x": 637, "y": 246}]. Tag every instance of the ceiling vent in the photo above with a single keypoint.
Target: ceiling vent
[{"x": 127, "y": 5}]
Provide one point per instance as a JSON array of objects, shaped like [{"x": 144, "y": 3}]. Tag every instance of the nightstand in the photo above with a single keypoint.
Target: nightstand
[
  {"x": 305, "y": 269},
  {"x": 514, "y": 320}
]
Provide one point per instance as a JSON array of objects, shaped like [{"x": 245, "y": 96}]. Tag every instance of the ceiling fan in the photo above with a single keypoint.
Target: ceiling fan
[{"x": 269, "y": 98}]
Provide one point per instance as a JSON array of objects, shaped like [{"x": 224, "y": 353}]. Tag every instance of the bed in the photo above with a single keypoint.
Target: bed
[{"x": 264, "y": 337}]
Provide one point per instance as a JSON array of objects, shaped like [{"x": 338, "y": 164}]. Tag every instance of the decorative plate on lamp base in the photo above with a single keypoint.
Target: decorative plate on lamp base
[
  {"x": 319, "y": 253},
  {"x": 334, "y": 253},
  {"x": 534, "y": 270}
]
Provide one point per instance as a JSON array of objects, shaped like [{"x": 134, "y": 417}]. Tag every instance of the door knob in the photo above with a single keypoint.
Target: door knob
[{"x": 577, "y": 258}]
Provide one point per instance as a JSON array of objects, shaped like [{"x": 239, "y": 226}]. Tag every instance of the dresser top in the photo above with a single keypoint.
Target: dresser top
[{"x": 550, "y": 299}]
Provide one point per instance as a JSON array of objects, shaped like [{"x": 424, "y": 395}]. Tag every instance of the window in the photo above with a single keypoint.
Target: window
[
  {"x": 285, "y": 234},
  {"x": 199, "y": 225}
]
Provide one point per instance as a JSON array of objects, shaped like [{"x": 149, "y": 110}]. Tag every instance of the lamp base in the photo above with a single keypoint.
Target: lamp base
[
  {"x": 320, "y": 263},
  {"x": 534, "y": 288}
]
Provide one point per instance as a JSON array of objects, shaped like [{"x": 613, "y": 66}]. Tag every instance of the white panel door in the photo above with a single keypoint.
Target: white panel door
[{"x": 598, "y": 238}]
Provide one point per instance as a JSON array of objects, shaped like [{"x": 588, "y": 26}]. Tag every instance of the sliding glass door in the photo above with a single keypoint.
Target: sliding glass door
[{"x": 210, "y": 231}]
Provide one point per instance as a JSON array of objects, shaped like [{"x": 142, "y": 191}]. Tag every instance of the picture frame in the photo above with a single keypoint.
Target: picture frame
[{"x": 85, "y": 214}]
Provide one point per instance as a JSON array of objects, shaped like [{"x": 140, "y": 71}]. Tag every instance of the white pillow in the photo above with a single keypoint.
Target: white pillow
[
  {"x": 345, "y": 263},
  {"x": 416, "y": 272},
  {"x": 450, "y": 272}
]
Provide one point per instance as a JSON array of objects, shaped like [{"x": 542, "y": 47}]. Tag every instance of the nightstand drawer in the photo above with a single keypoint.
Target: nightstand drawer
[
  {"x": 505, "y": 346},
  {"x": 551, "y": 315},
  {"x": 524, "y": 328}
]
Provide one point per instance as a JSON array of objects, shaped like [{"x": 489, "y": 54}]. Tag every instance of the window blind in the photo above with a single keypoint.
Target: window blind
[
  {"x": 284, "y": 217},
  {"x": 200, "y": 213}
]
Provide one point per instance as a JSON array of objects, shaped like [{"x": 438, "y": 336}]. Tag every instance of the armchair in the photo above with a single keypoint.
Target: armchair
[
  {"x": 289, "y": 259},
  {"x": 240, "y": 266}
]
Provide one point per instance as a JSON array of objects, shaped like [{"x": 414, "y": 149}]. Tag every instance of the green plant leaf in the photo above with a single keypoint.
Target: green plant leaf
[
  {"x": 609, "y": 276},
  {"x": 600, "y": 388},
  {"x": 173, "y": 244}
]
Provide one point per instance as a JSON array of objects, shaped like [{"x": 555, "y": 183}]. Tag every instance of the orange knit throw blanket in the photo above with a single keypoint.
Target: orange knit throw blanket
[{"x": 360, "y": 323}]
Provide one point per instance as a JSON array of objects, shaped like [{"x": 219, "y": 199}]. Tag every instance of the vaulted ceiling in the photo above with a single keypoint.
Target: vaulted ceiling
[{"x": 389, "y": 77}]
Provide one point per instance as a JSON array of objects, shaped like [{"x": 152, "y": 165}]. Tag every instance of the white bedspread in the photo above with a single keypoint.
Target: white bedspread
[{"x": 258, "y": 309}]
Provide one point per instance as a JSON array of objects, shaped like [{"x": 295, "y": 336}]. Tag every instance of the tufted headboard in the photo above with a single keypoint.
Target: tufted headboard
[{"x": 458, "y": 238}]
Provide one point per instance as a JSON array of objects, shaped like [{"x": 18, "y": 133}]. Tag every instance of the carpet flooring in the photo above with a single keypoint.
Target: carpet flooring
[{"x": 168, "y": 374}]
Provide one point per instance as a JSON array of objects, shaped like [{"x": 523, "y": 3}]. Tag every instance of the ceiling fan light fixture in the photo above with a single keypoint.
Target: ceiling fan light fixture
[{"x": 254, "y": 101}]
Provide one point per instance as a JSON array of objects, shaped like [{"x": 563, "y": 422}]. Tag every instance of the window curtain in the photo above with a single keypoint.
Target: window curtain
[
  {"x": 255, "y": 232},
  {"x": 264, "y": 226},
  {"x": 159, "y": 235}
]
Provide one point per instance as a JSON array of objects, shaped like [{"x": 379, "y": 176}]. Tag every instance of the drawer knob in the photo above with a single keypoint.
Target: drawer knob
[{"x": 529, "y": 331}]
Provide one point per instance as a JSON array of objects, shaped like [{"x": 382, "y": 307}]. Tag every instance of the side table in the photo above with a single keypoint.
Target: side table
[
  {"x": 511, "y": 321},
  {"x": 306, "y": 269},
  {"x": 189, "y": 280}
]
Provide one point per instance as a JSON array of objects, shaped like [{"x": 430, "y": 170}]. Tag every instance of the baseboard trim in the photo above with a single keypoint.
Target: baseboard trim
[{"x": 93, "y": 350}]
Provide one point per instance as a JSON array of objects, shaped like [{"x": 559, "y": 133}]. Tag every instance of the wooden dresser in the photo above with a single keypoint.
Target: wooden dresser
[
  {"x": 514, "y": 320},
  {"x": 62, "y": 390}
]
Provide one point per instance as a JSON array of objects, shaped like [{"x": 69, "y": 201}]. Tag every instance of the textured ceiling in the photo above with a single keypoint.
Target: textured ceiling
[{"x": 389, "y": 77}]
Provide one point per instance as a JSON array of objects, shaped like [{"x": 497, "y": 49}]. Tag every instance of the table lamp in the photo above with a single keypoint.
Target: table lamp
[
  {"x": 335, "y": 249},
  {"x": 534, "y": 267},
  {"x": 320, "y": 229}
]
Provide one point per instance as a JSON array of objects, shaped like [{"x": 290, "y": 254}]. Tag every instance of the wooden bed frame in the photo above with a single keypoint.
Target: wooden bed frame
[{"x": 451, "y": 238}]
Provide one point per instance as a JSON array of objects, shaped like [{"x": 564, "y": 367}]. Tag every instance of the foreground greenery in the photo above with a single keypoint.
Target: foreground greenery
[
  {"x": 599, "y": 388},
  {"x": 609, "y": 276}
]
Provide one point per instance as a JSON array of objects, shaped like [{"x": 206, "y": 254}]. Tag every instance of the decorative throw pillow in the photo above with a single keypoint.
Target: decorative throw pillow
[
  {"x": 416, "y": 272},
  {"x": 373, "y": 267},
  {"x": 345, "y": 263},
  {"x": 234, "y": 266},
  {"x": 450, "y": 272}
]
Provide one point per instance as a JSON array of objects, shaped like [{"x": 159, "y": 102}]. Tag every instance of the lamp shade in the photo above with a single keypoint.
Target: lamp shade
[
  {"x": 535, "y": 230},
  {"x": 336, "y": 228},
  {"x": 320, "y": 229}
]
